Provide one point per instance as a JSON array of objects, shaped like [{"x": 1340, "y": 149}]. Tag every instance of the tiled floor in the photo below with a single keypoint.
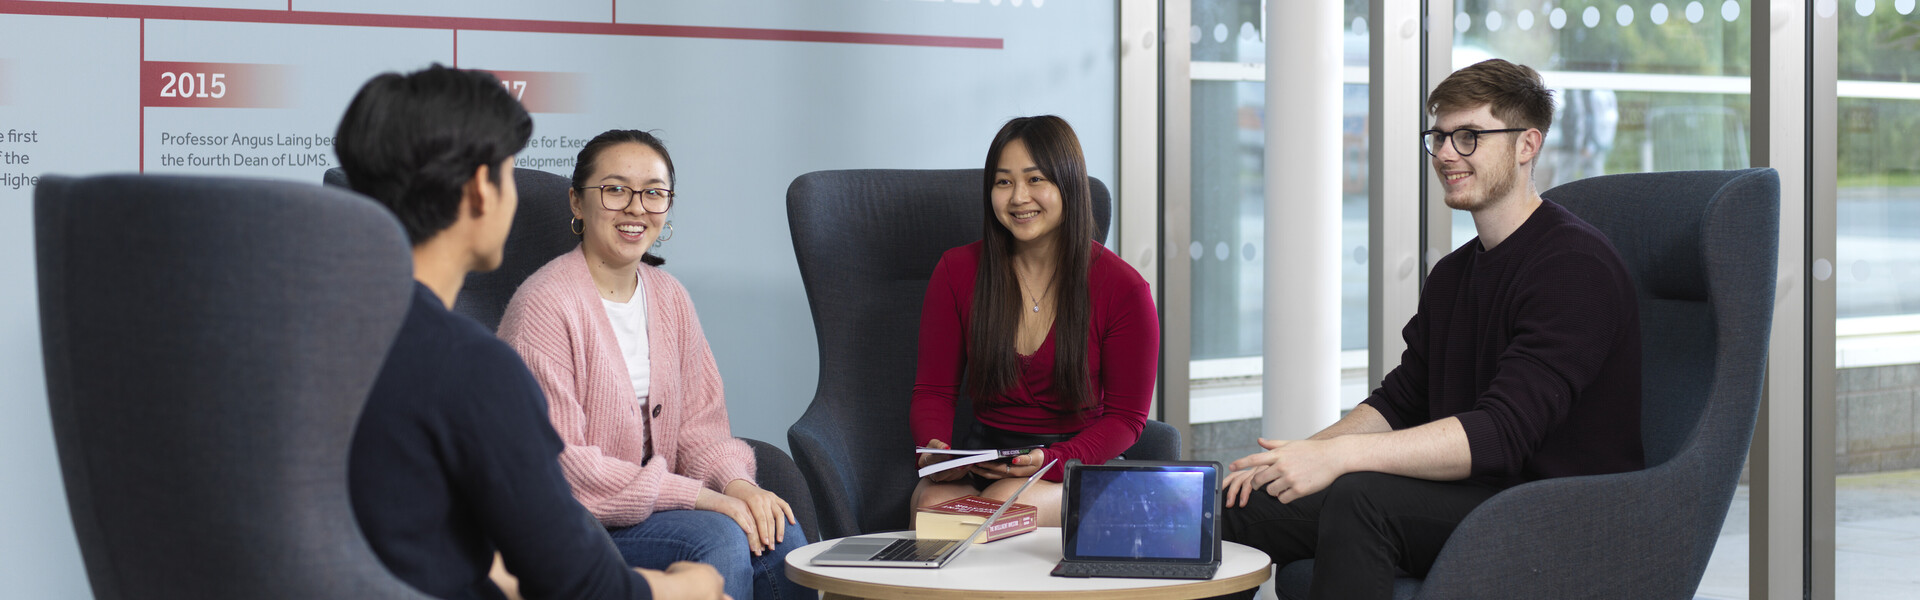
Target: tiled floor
[{"x": 1877, "y": 540}]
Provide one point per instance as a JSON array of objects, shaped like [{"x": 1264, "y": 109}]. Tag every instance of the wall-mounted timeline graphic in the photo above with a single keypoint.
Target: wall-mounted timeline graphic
[{"x": 747, "y": 94}]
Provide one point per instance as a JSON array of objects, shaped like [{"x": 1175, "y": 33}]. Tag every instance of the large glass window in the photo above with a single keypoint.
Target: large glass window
[
  {"x": 1639, "y": 86},
  {"x": 1228, "y": 220},
  {"x": 1877, "y": 289}
]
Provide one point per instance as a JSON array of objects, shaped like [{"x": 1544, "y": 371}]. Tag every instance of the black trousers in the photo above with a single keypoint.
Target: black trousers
[{"x": 1361, "y": 531}]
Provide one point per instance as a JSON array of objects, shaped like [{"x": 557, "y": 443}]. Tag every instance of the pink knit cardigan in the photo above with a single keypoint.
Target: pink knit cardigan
[{"x": 559, "y": 327}]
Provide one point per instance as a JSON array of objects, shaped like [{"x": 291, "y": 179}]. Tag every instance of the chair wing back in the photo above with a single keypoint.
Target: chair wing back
[
  {"x": 867, "y": 242},
  {"x": 541, "y": 232},
  {"x": 209, "y": 345},
  {"x": 1702, "y": 247}
]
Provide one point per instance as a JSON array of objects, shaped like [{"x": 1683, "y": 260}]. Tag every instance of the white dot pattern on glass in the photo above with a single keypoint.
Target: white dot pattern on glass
[
  {"x": 1658, "y": 13},
  {"x": 1904, "y": 7},
  {"x": 1195, "y": 250},
  {"x": 1864, "y": 7},
  {"x": 1221, "y": 252}
]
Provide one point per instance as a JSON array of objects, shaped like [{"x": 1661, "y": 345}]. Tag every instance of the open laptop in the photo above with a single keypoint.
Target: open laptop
[
  {"x": 912, "y": 552},
  {"x": 1145, "y": 519}
]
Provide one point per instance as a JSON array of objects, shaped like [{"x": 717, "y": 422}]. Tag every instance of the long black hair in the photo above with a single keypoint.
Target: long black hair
[
  {"x": 993, "y": 365},
  {"x": 583, "y": 164}
]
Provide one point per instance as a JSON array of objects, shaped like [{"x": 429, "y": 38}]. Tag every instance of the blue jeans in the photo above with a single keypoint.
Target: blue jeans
[{"x": 713, "y": 538}]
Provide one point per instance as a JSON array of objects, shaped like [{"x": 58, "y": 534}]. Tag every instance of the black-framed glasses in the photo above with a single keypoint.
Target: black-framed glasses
[
  {"x": 619, "y": 197},
  {"x": 1465, "y": 141}
]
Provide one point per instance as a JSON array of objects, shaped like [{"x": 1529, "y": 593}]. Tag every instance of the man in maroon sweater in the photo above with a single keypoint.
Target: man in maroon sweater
[{"x": 1522, "y": 363}]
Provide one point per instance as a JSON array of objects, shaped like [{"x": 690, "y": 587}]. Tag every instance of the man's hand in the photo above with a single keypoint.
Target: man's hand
[
  {"x": 686, "y": 581},
  {"x": 735, "y": 509},
  {"x": 1021, "y": 466},
  {"x": 770, "y": 513},
  {"x": 940, "y": 476},
  {"x": 1287, "y": 470}
]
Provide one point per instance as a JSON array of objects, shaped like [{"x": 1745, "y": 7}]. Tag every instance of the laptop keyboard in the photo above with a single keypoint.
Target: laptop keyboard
[
  {"x": 1135, "y": 570},
  {"x": 911, "y": 550}
]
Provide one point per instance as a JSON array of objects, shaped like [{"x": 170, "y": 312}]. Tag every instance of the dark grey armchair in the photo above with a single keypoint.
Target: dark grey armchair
[
  {"x": 1702, "y": 247},
  {"x": 540, "y": 233},
  {"x": 867, "y": 242},
  {"x": 209, "y": 344}
]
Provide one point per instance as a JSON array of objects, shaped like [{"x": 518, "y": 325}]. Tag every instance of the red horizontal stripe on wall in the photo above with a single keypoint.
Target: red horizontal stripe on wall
[{"x": 243, "y": 15}]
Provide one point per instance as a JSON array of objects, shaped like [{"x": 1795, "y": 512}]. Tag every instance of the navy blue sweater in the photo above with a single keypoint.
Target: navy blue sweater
[
  {"x": 1535, "y": 346},
  {"x": 454, "y": 458}
]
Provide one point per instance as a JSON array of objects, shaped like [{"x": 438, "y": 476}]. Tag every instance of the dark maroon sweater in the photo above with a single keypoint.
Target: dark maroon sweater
[{"x": 1535, "y": 346}]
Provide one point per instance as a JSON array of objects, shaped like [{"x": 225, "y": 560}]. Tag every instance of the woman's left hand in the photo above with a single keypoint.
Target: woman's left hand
[
  {"x": 770, "y": 514},
  {"x": 1021, "y": 466}
]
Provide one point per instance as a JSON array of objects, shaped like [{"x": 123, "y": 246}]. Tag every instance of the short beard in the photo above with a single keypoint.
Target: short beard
[{"x": 1503, "y": 184}]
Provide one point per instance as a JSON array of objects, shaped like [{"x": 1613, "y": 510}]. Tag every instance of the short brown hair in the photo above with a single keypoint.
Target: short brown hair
[{"x": 1513, "y": 93}]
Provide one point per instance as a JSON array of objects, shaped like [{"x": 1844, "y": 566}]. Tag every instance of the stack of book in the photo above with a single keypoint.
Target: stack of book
[{"x": 957, "y": 518}]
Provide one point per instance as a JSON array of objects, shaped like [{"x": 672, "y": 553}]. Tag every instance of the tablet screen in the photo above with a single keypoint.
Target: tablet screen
[{"x": 1142, "y": 514}]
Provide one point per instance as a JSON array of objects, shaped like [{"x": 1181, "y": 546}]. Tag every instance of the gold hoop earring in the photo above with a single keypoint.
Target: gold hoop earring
[
  {"x": 665, "y": 235},
  {"x": 578, "y": 226}
]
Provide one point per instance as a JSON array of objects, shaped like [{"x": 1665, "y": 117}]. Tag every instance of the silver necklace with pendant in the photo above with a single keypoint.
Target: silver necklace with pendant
[{"x": 1037, "y": 301}]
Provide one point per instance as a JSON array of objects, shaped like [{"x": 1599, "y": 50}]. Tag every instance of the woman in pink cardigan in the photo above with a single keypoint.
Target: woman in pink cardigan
[{"x": 632, "y": 387}]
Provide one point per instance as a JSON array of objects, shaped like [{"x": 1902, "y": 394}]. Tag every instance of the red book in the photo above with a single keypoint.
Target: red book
[{"x": 957, "y": 518}]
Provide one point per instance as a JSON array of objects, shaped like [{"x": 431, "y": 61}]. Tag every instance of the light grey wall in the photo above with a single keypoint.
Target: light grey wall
[{"x": 742, "y": 119}]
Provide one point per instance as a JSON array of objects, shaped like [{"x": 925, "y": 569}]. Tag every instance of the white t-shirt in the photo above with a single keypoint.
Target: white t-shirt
[{"x": 629, "y": 321}]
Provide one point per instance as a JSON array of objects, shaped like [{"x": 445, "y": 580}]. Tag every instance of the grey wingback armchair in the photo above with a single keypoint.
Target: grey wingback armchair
[
  {"x": 541, "y": 233},
  {"x": 867, "y": 242},
  {"x": 209, "y": 344},
  {"x": 1702, "y": 247}
]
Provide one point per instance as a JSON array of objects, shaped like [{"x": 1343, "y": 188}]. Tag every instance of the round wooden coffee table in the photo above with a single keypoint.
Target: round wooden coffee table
[{"x": 1015, "y": 567}]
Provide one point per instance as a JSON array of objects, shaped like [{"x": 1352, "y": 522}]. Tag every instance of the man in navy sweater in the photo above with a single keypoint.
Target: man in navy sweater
[
  {"x": 454, "y": 458},
  {"x": 1522, "y": 363}
]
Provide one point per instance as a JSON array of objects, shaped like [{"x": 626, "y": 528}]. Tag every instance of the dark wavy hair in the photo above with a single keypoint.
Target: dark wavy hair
[
  {"x": 411, "y": 141},
  {"x": 993, "y": 365},
  {"x": 1515, "y": 94},
  {"x": 583, "y": 165}
]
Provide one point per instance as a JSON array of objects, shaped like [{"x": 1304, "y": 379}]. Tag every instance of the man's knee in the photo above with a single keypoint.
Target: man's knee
[{"x": 1358, "y": 486}]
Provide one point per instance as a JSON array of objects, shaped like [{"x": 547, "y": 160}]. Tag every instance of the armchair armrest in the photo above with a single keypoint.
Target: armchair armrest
[
  {"x": 1643, "y": 534},
  {"x": 776, "y": 472}
]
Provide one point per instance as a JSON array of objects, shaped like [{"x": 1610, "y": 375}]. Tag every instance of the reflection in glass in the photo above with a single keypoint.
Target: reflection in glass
[{"x": 1877, "y": 289}]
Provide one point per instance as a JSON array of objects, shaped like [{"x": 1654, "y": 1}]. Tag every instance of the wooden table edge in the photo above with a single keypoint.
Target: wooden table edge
[{"x": 835, "y": 587}]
